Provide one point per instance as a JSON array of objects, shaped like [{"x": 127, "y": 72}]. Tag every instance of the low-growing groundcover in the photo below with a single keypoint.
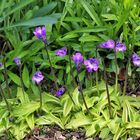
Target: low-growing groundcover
[{"x": 69, "y": 66}]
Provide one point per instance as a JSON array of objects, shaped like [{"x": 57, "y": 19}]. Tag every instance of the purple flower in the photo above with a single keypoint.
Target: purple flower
[
  {"x": 120, "y": 47},
  {"x": 136, "y": 59},
  {"x": 61, "y": 52},
  {"x": 37, "y": 77},
  {"x": 40, "y": 33},
  {"x": 78, "y": 59},
  {"x": 17, "y": 61},
  {"x": 91, "y": 65},
  {"x": 109, "y": 44},
  {"x": 0, "y": 64},
  {"x": 60, "y": 91}
]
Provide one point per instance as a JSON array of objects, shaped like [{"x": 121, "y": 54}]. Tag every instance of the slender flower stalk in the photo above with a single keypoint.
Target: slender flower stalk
[
  {"x": 18, "y": 63},
  {"x": 6, "y": 78},
  {"x": 97, "y": 84},
  {"x": 40, "y": 33},
  {"x": 107, "y": 91},
  {"x": 40, "y": 96},
  {"x": 81, "y": 91},
  {"x": 37, "y": 78},
  {"x": 52, "y": 70},
  {"x": 116, "y": 75},
  {"x": 3, "y": 95},
  {"x": 78, "y": 60},
  {"x": 119, "y": 47},
  {"x": 71, "y": 70}
]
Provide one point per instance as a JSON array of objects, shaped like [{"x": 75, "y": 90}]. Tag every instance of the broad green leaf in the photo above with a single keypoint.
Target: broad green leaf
[
  {"x": 118, "y": 133},
  {"x": 55, "y": 119},
  {"x": 47, "y": 97},
  {"x": 30, "y": 121},
  {"x": 45, "y": 10},
  {"x": 104, "y": 133},
  {"x": 22, "y": 95},
  {"x": 79, "y": 121},
  {"x": 109, "y": 17},
  {"x": 90, "y": 10},
  {"x": 91, "y": 130},
  {"x": 14, "y": 78},
  {"x": 76, "y": 95},
  {"x": 25, "y": 76},
  {"x": 89, "y": 38},
  {"x": 42, "y": 120},
  {"x": 133, "y": 125},
  {"x": 18, "y": 6},
  {"x": 67, "y": 107},
  {"x": 26, "y": 109}
]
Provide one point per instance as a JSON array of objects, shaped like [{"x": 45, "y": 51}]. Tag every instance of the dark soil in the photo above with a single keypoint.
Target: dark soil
[{"x": 55, "y": 133}]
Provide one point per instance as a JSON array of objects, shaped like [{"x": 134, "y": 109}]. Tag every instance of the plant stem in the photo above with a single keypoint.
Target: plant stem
[
  {"x": 91, "y": 79},
  {"x": 126, "y": 75},
  {"x": 3, "y": 95},
  {"x": 71, "y": 72},
  {"x": 97, "y": 85},
  {"x": 6, "y": 78},
  {"x": 52, "y": 70},
  {"x": 40, "y": 98},
  {"x": 22, "y": 86},
  {"x": 81, "y": 91},
  {"x": 71, "y": 97},
  {"x": 107, "y": 91},
  {"x": 116, "y": 77}
]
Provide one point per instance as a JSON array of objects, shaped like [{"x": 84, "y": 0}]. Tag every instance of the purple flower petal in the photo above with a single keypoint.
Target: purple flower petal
[
  {"x": 61, "y": 52},
  {"x": 60, "y": 91},
  {"x": 37, "y": 77},
  {"x": 0, "y": 64},
  {"x": 17, "y": 61},
  {"x": 136, "y": 59},
  {"x": 109, "y": 44},
  {"x": 40, "y": 33},
  {"x": 120, "y": 47},
  {"x": 91, "y": 65},
  {"x": 78, "y": 59}
]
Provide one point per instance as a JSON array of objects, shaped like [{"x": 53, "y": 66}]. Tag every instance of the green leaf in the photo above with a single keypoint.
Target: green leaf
[
  {"x": 104, "y": 133},
  {"x": 76, "y": 95},
  {"x": 45, "y": 10},
  {"x": 133, "y": 125},
  {"x": 30, "y": 121},
  {"x": 109, "y": 17},
  {"x": 47, "y": 97},
  {"x": 14, "y": 78},
  {"x": 55, "y": 119},
  {"x": 25, "y": 77},
  {"x": 18, "y": 6},
  {"x": 89, "y": 38},
  {"x": 23, "y": 97},
  {"x": 90, "y": 10},
  {"x": 67, "y": 107},
  {"x": 25, "y": 109},
  {"x": 79, "y": 121},
  {"x": 51, "y": 19},
  {"x": 118, "y": 133}
]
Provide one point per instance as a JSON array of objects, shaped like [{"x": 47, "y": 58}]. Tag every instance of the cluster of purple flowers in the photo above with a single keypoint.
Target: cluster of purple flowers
[
  {"x": 91, "y": 64},
  {"x": 110, "y": 44},
  {"x": 119, "y": 47}
]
